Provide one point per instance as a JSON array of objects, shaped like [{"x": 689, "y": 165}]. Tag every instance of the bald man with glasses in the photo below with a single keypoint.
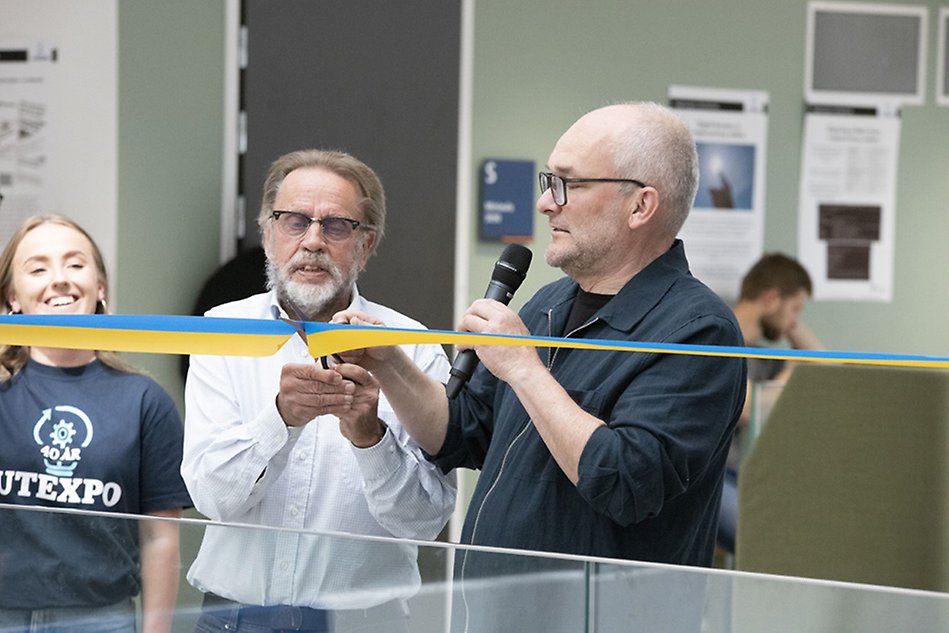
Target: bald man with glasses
[
  {"x": 286, "y": 442},
  {"x": 595, "y": 453}
]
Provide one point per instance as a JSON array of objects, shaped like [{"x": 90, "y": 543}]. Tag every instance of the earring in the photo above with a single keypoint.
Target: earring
[{"x": 105, "y": 306}]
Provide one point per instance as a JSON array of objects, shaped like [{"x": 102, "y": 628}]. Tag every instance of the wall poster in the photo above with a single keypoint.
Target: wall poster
[{"x": 725, "y": 230}]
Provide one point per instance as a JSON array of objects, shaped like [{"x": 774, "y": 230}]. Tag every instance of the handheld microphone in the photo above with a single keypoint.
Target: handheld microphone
[{"x": 509, "y": 272}]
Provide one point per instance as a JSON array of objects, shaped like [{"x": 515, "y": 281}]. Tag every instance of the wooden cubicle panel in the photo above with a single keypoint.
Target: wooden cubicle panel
[{"x": 848, "y": 479}]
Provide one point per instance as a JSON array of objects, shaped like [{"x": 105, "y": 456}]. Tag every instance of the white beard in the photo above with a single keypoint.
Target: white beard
[{"x": 314, "y": 301}]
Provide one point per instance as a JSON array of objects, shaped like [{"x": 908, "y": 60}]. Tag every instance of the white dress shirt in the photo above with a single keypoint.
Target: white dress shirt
[{"x": 242, "y": 464}]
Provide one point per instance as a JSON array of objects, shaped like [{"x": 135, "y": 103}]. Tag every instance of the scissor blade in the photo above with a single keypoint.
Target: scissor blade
[{"x": 296, "y": 325}]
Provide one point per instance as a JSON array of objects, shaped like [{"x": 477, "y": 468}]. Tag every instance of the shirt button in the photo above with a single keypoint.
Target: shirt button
[
  {"x": 294, "y": 511},
  {"x": 304, "y": 352},
  {"x": 284, "y": 566}
]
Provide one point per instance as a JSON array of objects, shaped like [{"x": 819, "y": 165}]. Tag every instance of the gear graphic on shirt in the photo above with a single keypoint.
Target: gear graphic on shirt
[{"x": 63, "y": 433}]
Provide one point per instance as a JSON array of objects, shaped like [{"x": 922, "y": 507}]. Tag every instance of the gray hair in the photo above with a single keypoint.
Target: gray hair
[
  {"x": 658, "y": 149},
  {"x": 346, "y": 166}
]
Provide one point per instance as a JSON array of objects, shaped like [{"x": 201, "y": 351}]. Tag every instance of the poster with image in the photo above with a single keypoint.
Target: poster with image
[{"x": 724, "y": 234}]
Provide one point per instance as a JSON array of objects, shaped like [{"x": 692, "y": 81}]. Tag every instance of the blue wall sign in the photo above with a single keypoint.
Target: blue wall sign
[{"x": 507, "y": 200}]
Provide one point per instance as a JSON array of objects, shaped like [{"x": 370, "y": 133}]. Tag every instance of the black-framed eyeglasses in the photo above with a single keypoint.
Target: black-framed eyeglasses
[
  {"x": 558, "y": 184},
  {"x": 334, "y": 228}
]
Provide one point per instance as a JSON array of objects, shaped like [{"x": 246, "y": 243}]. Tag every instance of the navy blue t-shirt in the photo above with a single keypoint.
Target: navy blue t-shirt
[{"x": 90, "y": 438}]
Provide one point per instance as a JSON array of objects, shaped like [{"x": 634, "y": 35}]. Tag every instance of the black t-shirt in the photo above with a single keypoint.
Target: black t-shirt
[{"x": 584, "y": 306}]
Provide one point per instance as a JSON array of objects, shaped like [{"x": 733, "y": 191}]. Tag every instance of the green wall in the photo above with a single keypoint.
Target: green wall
[
  {"x": 539, "y": 64},
  {"x": 171, "y": 100}
]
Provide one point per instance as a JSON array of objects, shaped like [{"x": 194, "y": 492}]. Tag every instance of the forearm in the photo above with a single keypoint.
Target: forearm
[
  {"x": 799, "y": 337},
  {"x": 161, "y": 569},
  {"x": 418, "y": 400},
  {"x": 564, "y": 426},
  {"x": 803, "y": 337}
]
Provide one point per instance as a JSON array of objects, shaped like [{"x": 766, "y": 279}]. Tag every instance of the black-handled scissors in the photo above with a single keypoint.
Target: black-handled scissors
[{"x": 328, "y": 361}]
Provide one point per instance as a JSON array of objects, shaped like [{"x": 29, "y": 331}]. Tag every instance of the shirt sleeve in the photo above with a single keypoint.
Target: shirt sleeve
[
  {"x": 674, "y": 417},
  {"x": 161, "y": 485},
  {"x": 470, "y": 424},
  {"x": 228, "y": 462},
  {"x": 407, "y": 494}
]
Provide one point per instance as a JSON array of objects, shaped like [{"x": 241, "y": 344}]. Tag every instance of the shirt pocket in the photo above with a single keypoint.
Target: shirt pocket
[
  {"x": 589, "y": 401},
  {"x": 533, "y": 458}
]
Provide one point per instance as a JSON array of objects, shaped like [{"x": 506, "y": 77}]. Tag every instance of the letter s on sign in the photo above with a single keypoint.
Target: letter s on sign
[{"x": 490, "y": 172}]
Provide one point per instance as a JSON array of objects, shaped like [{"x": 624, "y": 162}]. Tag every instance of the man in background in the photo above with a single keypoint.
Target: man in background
[
  {"x": 285, "y": 442},
  {"x": 773, "y": 294}
]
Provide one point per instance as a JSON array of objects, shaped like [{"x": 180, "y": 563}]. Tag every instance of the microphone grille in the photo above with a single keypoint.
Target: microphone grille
[{"x": 512, "y": 265}]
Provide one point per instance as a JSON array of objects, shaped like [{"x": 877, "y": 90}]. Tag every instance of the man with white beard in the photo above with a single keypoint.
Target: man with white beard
[{"x": 285, "y": 442}]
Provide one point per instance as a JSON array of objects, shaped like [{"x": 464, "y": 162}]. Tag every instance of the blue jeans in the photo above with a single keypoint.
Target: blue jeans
[
  {"x": 116, "y": 618},
  {"x": 391, "y": 617},
  {"x": 224, "y": 619}
]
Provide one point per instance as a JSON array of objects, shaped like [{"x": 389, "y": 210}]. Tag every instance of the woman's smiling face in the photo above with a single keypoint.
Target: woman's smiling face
[{"x": 54, "y": 272}]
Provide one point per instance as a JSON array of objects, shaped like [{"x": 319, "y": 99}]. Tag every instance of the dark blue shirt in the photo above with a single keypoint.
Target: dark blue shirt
[
  {"x": 90, "y": 438},
  {"x": 651, "y": 478}
]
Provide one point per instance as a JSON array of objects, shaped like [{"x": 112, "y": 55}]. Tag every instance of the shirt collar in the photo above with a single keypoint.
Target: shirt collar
[
  {"x": 646, "y": 289},
  {"x": 355, "y": 303}
]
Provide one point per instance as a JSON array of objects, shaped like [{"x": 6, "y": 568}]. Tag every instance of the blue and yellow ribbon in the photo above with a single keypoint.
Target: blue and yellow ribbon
[
  {"x": 147, "y": 333},
  {"x": 160, "y": 334}
]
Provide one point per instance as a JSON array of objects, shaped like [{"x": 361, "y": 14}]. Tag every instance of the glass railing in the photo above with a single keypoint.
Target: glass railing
[{"x": 470, "y": 588}]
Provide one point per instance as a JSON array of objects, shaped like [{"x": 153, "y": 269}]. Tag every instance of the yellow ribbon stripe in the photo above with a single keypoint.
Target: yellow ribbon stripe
[
  {"x": 146, "y": 341},
  {"x": 148, "y": 334}
]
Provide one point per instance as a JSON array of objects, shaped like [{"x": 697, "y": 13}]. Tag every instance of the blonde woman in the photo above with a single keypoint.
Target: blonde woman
[{"x": 81, "y": 429}]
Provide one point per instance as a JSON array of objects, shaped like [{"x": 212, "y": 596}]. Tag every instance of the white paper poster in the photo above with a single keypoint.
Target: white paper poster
[
  {"x": 725, "y": 230},
  {"x": 847, "y": 203},
  {"x": 27, "y": 180},
  {"x": 942, "y": 61}
]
